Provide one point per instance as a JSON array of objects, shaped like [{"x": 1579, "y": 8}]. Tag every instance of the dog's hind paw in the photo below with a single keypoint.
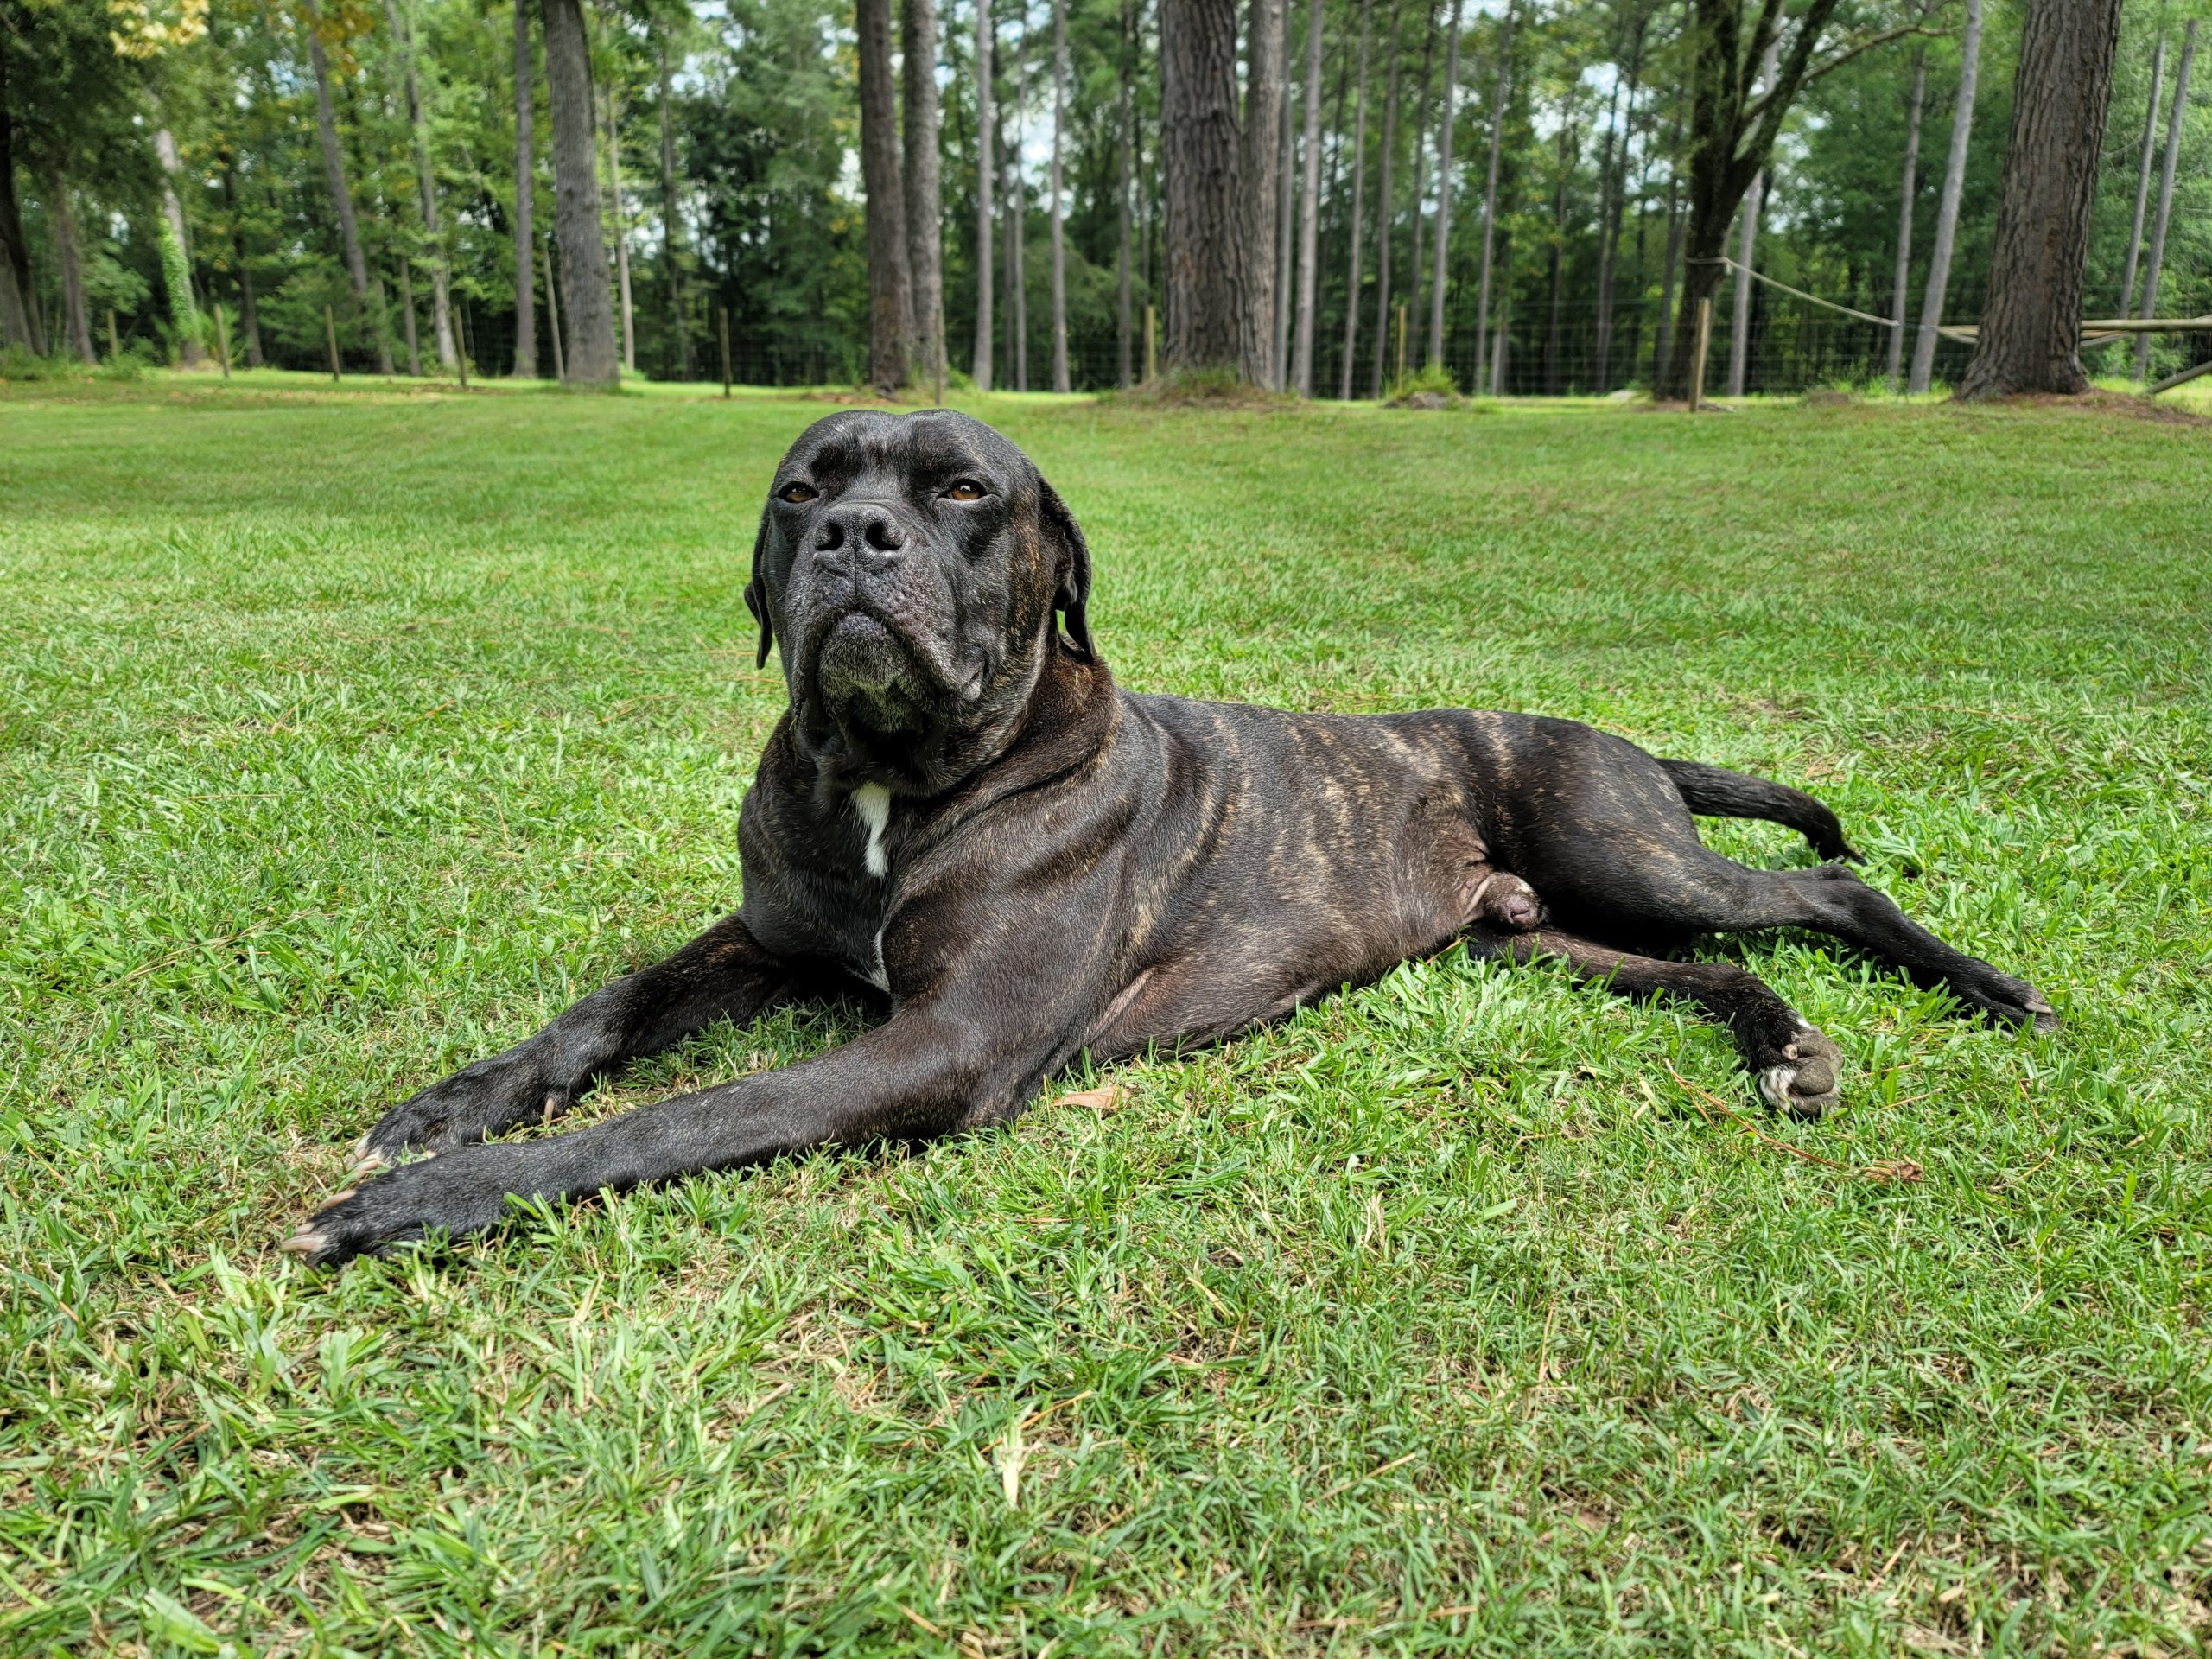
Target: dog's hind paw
[
  {"x": 2007, "y": 1000},
  {"x": 1803, "y": 1079}
]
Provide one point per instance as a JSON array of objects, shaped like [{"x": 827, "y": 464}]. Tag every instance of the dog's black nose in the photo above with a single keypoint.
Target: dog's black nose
[{"x": 864, "y": 528}]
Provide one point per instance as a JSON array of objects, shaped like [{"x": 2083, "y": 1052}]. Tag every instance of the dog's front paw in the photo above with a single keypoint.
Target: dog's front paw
[
  {"x": 1801, "y": 1078},
  {"x": 462, "y": 1192},
  {"x": 484, "y": 1099}
]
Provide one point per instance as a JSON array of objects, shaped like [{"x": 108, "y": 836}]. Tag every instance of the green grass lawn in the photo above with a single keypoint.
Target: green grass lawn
[{"x": 346, "y": 738}]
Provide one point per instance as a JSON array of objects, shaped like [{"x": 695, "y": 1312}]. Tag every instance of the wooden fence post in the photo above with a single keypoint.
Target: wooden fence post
[
  {"x": 330, "y": 337},
  {"x": 1697, "y": 359},
  {"x": 723, "y": 312}
]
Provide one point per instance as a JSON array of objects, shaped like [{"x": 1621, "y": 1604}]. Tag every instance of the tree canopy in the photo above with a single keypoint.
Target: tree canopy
[{"x": 753, "y": 216}]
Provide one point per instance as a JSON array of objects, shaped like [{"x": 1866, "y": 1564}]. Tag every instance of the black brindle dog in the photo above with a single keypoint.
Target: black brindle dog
[{"x": 961, "y": 809}]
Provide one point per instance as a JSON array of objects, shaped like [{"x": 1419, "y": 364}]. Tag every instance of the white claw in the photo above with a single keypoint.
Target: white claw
[{"x": 306, "y": 1242}]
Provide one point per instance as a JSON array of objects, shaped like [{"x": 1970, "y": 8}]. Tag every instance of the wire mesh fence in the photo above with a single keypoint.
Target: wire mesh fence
[{"x": 1790, "y": 344}]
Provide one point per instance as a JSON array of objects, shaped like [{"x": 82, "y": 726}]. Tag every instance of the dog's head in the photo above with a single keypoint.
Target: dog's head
[{"x": 912, "y": 568}]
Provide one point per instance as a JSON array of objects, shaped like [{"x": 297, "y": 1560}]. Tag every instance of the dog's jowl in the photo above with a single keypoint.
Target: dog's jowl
[{"x": 962, "y": 812}]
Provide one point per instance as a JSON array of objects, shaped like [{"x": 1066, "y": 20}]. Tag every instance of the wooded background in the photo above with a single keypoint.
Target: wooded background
[{"x": 363, "y": 172}]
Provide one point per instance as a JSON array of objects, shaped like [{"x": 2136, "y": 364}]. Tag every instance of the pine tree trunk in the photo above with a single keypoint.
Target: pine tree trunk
[
  {"x": 2158, "y": 258},
  {"x": 1017, "y": 222},
  {"x": 1554, "y": 366},
  {"x": 1635, "y": 352},
  {"x": 1263, "y": 102},
  {"x": 1663, "y": 338},
  {"x": 1603, "y": 326},
  {"x": 1504, "y": 84},
  {"x": 177, "y": 273},
  {"x": 249, "y": 314},
  {"x": 1358, "y": 206},
  {"x": 1059, "y": 239},
  {"x": 62, "y": 213},
  {"x": 890, "y": 284},
  {"x": 367, "y": 294},
  {"x": 925, "y": 202},
  {"x": 1414, "y": 269},
  {"x": 1383, "y": 204},
  {"x": 1907, "y": 192},
  {"x": 1612, "y": 187},
  {"x": 1309, "y": 211},
  {"x": 671, "y": 228},
  {"x": 1207, "y": 298},
  {"x": 611, "y": 110},
  {"x": 1935, "y": 292},
  {"x": 587, "y": 307},
  {"x": 18, "y": 324},
  {"x": 419, "y": 130},
  {"x": 1747, "y": 237},
  {"x": 1124, "y": 194},
  {"x": 1440, "y": 254},
  {"x": 1286, "y": 220},
  {"x": 2142, "y": 177},
  {"x": 525, "y": 193},
  {"x": 978, "y": 368},
  {"x": 2030, "y": 335}
]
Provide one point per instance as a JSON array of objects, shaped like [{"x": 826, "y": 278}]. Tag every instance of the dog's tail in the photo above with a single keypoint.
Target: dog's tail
[{"x": 1717, "y": 793}]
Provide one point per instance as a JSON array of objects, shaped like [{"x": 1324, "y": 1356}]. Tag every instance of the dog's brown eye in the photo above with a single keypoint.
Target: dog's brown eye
[
  {"x": 796, "y": 493},
  {"x": 966, "y": 490}
]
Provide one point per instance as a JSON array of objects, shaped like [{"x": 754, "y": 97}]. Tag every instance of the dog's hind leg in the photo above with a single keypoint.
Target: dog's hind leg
[
  {"x": 1796, "y": 1066},
  {"x": 1700, "y": 892},
  {"x": 1603, "y": 831}
]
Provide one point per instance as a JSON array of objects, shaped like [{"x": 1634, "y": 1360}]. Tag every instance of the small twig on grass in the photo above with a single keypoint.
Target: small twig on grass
[
  {"x": 197, "y": 945},
  {"x": 1342, "y": 1486},
  {"x": 920, "y": 1620},
  {"x": 1890, "y": 1169}
]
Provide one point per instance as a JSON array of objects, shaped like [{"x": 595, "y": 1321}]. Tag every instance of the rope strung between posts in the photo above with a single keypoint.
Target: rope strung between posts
[
  {"x": 2105, "y": 328},
  {"x": 1799, "y": 293}
]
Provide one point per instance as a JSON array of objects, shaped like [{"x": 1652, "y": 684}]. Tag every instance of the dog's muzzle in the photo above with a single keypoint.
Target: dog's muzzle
[{"x": 865, "y": 676}]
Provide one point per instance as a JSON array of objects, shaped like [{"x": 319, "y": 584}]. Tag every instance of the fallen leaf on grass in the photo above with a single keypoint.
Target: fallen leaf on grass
[{"x": 1104, "y": 1098}]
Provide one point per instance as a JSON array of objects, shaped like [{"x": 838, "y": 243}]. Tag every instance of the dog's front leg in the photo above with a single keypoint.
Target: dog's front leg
[
  {"x": 723, "y": 973},
  {"x": 932, "y": 1068}
]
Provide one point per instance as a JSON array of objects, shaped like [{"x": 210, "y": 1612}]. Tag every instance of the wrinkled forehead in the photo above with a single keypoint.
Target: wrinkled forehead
[{"x": 864, "y": 442}]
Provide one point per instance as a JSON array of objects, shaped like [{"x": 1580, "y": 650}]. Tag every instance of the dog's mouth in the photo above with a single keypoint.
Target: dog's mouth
[{"x": 867, "y": 678}]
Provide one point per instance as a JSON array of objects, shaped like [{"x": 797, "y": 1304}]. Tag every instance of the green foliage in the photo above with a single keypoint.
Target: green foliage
[
  {"x": 1433, "y": 379},
  {"x": 1442, "y": 1319},
  {"x": 111, "y": 284},
  {"x": 19, "y": 362},
  {"x": 176, "y": 283}
]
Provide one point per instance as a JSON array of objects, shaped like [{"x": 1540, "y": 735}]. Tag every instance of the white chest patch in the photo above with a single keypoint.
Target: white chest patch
[{"x": 872, "y": 802}]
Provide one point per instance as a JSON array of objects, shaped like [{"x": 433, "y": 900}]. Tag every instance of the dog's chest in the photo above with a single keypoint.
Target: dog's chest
[{"x": 872, "y": 805}]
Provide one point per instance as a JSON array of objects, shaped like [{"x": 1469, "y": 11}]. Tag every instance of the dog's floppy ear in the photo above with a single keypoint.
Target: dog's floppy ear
[
  {"x": 756, "y": 592},
  {"x": 1064, "y": 537}
]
